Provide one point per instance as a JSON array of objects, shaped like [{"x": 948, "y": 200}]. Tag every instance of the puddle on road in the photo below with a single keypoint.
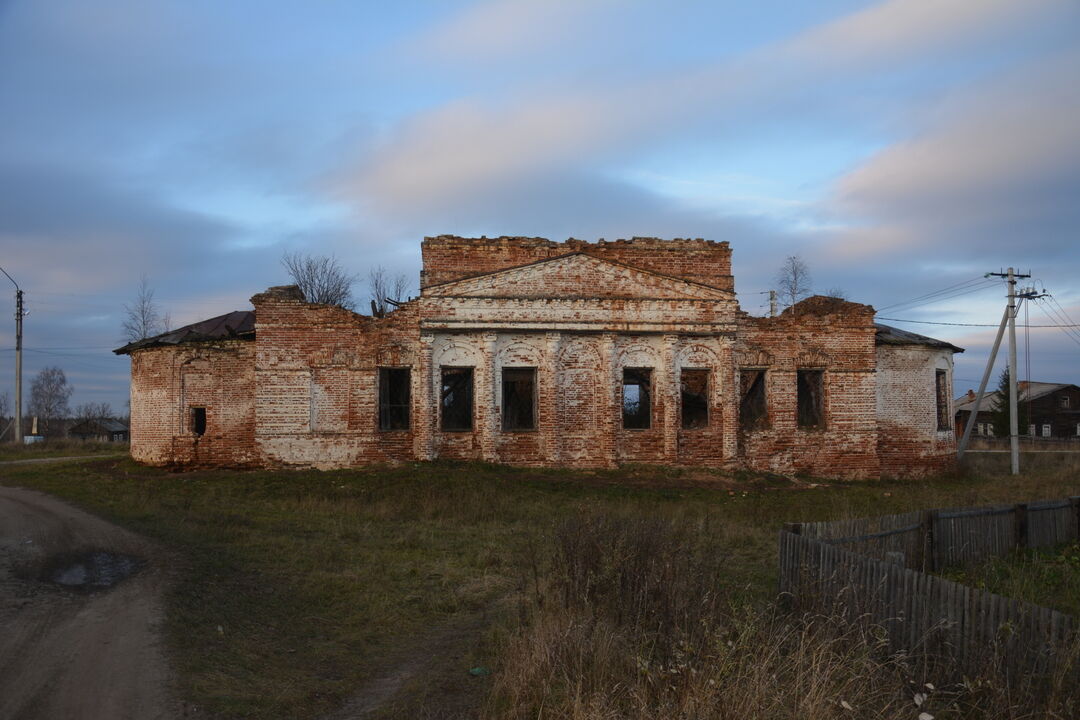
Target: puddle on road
[{"x": 91, "y": 571}]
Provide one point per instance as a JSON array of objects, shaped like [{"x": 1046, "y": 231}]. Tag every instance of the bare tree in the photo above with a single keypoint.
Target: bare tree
[
  {"x": 320, "y": 278},
  {"x": 836, "y": 292},
  {"x": 49, "y": 395},
  {"x": 143, "y": 317},
  {"x": 93, "y": 411},
  {"x": 385, "y": 286},
  {"x": 793, "y": 280}
]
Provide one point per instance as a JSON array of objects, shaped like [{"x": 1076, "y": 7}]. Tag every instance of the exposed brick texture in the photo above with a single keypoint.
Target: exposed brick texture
[
  {"x": 305, "y": 392},
  {"x": 166, "y": 383},
  {"x": 448, "y": 257},
  {"x": 909, "y": 442}
]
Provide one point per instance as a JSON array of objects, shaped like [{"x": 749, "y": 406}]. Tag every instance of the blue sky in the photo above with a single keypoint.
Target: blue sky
[{"x": 899, "y": 147}]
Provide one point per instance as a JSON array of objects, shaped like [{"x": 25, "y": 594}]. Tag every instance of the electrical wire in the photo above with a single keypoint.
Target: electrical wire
[
  {"x": 955, "y": 324},
  {"x": 958, "y": 286},
  {"x": 1061, "y": 309},
  {"x": 1058, "y": 316},
  {"x": 1043, "y": 306}
]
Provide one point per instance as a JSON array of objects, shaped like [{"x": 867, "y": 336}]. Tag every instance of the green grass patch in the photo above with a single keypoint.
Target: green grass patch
[
  {"x": 59, "y": 448},
  {"x": 1047, "y": 577},
  {"x": 291, "y": 588}
]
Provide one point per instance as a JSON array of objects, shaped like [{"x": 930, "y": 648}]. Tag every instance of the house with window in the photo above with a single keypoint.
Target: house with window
[
  {"x": 1052, "y": 410},
  {"x": 100, "y": 430},
  {"x": 532, "y": 352}
]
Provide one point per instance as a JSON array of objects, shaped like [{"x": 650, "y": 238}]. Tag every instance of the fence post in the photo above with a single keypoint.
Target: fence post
[
  {"x": 793, "y": 528},
  {"x": 927, "y": 560},
  {"x": 1020, "y": 525},
  {"x": 1075, "y": 502}
]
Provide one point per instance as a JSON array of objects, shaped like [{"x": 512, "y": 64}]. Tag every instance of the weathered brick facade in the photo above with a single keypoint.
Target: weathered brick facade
[{"x": 575, "y": 354}]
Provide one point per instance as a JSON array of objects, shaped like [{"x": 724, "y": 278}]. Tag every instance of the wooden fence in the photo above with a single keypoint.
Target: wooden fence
[{"x": 877, "y": 570}]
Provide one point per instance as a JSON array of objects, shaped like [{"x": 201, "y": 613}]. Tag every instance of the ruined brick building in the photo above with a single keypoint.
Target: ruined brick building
[{"x": 532, "y": 352}]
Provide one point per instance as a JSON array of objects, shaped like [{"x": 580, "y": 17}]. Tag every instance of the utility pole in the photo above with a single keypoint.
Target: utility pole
[
  {"x": 772, "y": 303},
  {"x": 1007, "y": 318},
  {"x": 18, "y": 438},
  {"x": 1014, "y": 421}
]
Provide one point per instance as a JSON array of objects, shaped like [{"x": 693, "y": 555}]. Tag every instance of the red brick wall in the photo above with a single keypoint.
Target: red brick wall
[
  {"x": 909, "y": 443},
  {"x": 448, "y": 257},
  {"x": 316, "y": 370},
  {"x": 818, "y": 333},
  {"x": 166, "y": 382},
  {"x": 305, "y": 392}
]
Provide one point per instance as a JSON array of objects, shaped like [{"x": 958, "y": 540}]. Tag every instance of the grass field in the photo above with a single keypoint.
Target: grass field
[
  {"x": 1048, "y": 577},
  {"x": 59, "y": 448},
  {"x": 292, "y": 588}
]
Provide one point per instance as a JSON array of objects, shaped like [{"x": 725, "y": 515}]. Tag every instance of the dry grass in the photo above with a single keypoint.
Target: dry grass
[
  {"x": 635, "y": 620},
  {"x": 322, "y": 581}
]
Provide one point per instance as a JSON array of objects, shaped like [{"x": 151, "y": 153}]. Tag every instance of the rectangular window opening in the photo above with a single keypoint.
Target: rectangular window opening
[
  {"x": 1046, "y": 430},
  {"x": 519, "y": 398},
  {"x": 394, "y": 394},
  {"x": 1063, "y": 401},
  {"x": 457, "y": 398},
  {"x": 695, "y": 398},
  {"x": 811, "y": 398},
  {"x": 636, "y": 405},
  {"x": 942, "y": 388},
  {"x": 753, "y": 408},
  {"x": 198, "y": 420}
]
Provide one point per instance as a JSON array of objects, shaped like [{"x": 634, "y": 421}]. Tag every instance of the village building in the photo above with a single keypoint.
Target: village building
[
  {"x": 1052, "y": 410},
  {"x": 99, "y": 430},
  {"x": 532, "y": 352}
]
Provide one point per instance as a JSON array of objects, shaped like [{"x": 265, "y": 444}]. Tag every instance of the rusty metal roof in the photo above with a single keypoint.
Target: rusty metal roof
[
  {"x": 888, "y": 335},
  {"x": 237, "y": 325}
]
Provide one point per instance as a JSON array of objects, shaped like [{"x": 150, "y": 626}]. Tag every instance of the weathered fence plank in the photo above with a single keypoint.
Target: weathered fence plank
[{"x": 873, "y": 570}]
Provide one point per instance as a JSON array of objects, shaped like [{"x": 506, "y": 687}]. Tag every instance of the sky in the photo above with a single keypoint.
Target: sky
[{"x": 900, "y": 148}]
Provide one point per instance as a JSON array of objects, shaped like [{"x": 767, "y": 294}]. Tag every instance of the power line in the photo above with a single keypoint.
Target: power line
[
  {"x": 932, "y": 322},
  {"x": 948, "y": 293},
  {"x": 1047, "y": 310}
]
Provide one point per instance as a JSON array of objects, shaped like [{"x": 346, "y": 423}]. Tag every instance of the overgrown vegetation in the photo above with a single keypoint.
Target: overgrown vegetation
[
  {"x": 1047, "y": 577},
  {"x": 637, "y": 619},
  {"x": 293, "y": 588}
]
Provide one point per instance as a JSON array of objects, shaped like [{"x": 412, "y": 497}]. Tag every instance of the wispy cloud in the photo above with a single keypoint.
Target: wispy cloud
[
  {"x": 466, "y": 146},
  {"x": 996, "y": 164}
]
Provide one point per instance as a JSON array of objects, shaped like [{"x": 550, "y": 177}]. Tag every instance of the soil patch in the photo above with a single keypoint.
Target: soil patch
[{"x": 91, "y": 654}]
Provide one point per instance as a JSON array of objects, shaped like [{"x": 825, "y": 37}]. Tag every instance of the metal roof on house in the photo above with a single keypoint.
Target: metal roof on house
[
  {"x": 237, "y": 325},
  {"x": 106, "y": 424},
  {"x": 1024, "y": 391},
  {"x": 888, "y": 335}
]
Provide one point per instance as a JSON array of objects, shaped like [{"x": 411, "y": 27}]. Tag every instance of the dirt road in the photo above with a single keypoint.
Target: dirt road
[{"x": 72, "y": 643}]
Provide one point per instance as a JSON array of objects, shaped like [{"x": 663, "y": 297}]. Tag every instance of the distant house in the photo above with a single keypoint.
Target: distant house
[
  {"x": 106, "y": 430},
  {"x": 1053, "y": 410}
]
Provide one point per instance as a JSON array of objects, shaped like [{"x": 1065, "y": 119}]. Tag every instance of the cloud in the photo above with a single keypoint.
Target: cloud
[
  {"x": 997, "y": 164},
  {"x": 464, "y": 146},
  {"x": 76, "y": 231},
  {"x": 905, "y": 29},
  {"x": 498, "y": 28}
]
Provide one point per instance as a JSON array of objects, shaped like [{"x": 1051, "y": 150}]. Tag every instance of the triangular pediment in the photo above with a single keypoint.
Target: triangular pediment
[{"x": 577, "y": 275}]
